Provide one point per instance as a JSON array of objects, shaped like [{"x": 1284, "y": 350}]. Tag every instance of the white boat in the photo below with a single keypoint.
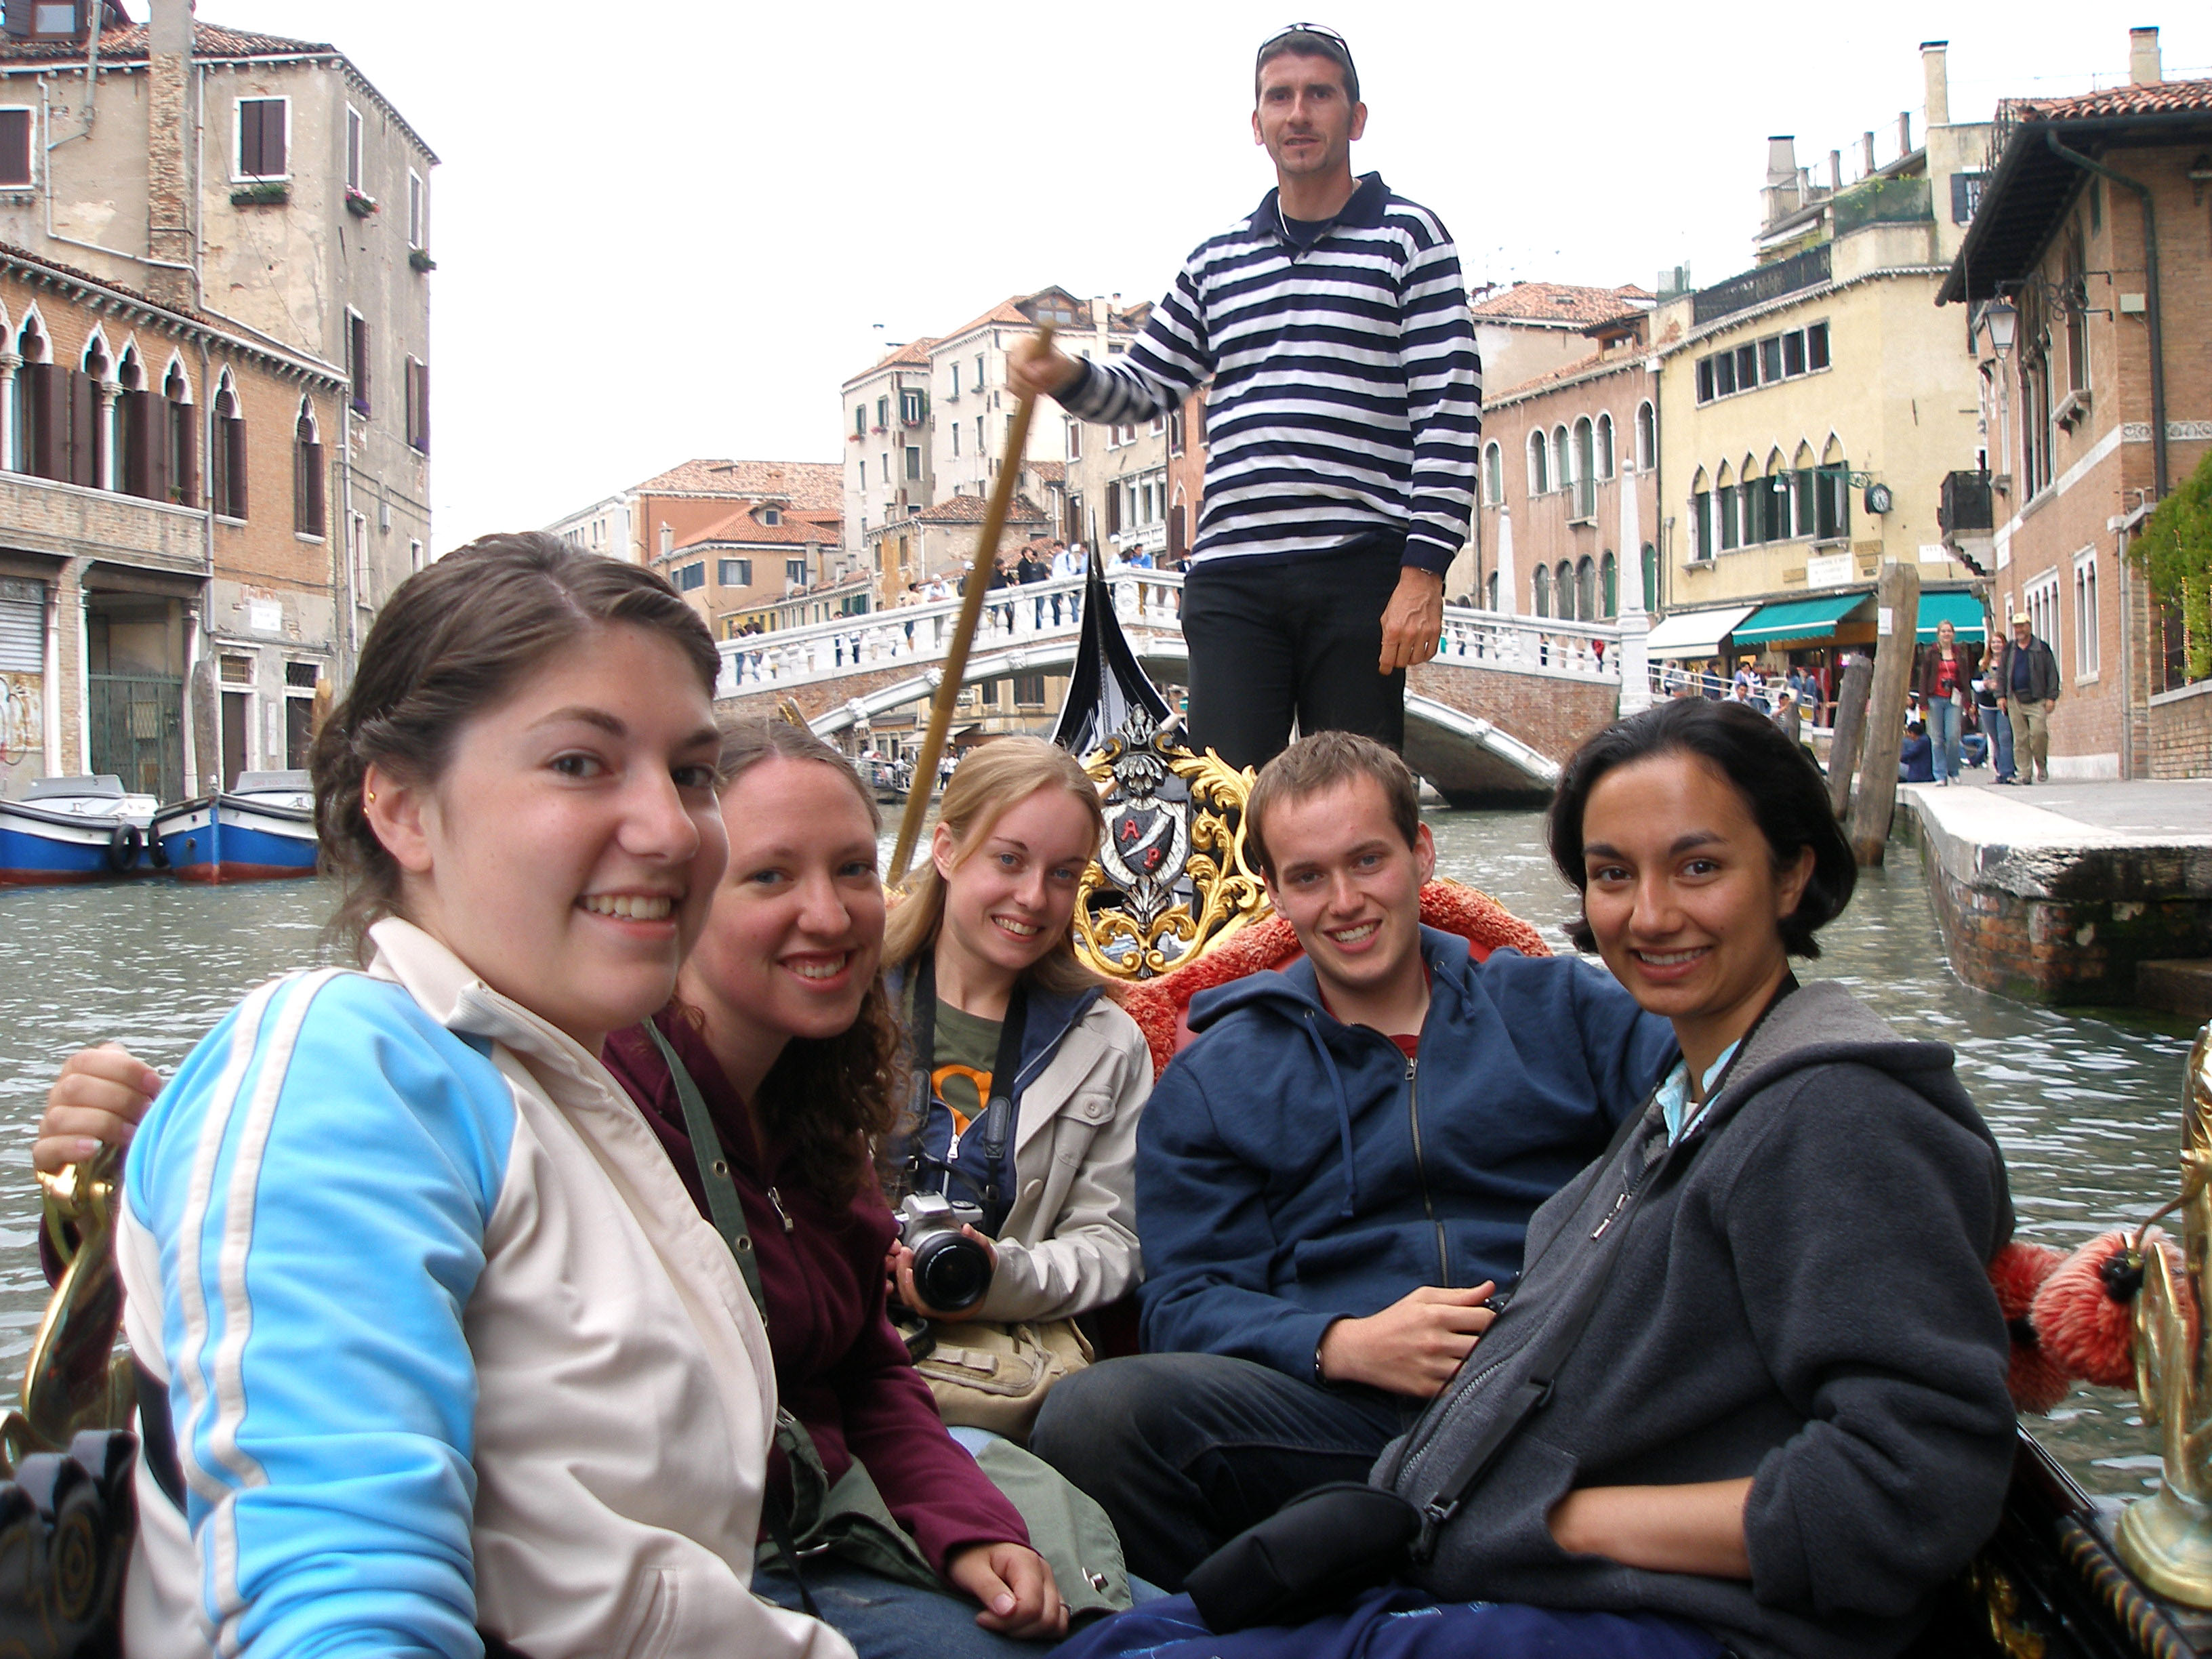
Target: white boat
[{"x": 78, "y": 829}]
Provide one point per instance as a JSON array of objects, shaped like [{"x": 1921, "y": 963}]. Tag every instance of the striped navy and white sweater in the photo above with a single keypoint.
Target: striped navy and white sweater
[{"x": 1348, "y": 394}]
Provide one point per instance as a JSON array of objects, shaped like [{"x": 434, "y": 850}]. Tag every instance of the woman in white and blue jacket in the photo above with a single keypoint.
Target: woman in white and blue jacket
[{"x": 449, "y": 1353}]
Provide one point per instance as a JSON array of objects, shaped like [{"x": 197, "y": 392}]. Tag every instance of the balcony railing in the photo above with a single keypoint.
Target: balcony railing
[
  {"x": 1755, "y": 288},
  {"x": 1883, "y": 202},
  {"x": 1968, "y": 507}
]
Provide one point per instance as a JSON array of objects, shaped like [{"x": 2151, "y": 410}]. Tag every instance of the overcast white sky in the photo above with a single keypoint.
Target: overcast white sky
[{"x": 667, "y": 230}]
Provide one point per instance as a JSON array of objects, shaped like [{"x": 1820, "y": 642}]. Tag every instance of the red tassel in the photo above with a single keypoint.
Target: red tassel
[
  {"x": 2016, "y": 1273},
  {"x": 2084, "y": 1314}
]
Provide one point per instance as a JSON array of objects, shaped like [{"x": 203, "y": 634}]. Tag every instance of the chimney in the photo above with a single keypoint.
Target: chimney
[
  {"x": 2143, "y": 67},
  {"x": 1904, "y": 133},
  {"x": 1866, "y": 155},
  {"x": 170, "y": 280},
  {"x": 1781, "y": 160},
  {"x": 1835, "y": 170},
  {"x": 1936, "y": 72}
]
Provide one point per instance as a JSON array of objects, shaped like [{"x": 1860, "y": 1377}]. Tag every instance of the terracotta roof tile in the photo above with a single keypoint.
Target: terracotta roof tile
[
  {"x": 1561, "y": 302},
  {"x": 128, "y": 44},
  {"x": 912, "y": 355},
  {"x": 805, "y": 486},
  {"x": 1048, "y": 471},
  {"x": 2164, "y": 97},
  {"x": 744, "y": 526},
  {"x": 969, "y": 509}
]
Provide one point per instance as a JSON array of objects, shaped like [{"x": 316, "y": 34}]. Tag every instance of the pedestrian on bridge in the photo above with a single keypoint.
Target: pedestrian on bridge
[{"x": 1341, "y": 426}]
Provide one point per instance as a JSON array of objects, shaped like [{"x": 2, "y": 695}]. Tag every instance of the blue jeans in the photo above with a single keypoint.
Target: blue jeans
[
  {"x": 1943, "y": 735},
  {"x": 1998, "y": 729},
  {"x": 1399, "y": 1623},
  {"x": 1185, "y": 1450},
  {"x": 885, "y": 1620}
]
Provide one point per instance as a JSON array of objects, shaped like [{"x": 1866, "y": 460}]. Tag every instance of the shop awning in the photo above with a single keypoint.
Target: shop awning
[
  {"x": 1695, "y": 633},
  {"x": 1962, "y": 610},
  {"x": 1809, "y": 620}
]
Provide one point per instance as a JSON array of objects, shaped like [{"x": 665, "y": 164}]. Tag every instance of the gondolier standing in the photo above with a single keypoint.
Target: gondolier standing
[{"x": 1341, "y": 426}]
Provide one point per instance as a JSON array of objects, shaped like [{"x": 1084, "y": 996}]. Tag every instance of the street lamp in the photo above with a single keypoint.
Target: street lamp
[{"x": 2002, "y": 319}]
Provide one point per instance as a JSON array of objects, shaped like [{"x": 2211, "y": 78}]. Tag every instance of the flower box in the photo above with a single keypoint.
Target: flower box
[
  {"x": 420, "y": 259},
  {"x": 269, "y": 194},
  {"x": 359, "y": 205}
]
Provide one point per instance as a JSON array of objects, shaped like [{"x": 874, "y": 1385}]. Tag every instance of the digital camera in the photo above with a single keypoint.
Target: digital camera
[{"x": 951, "y": 1271}]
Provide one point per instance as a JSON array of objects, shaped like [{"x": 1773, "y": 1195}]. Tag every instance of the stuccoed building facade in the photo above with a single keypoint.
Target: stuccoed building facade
[
  {"x": 2088, "y": 284},
  {"x": 263, "y": 187},
  {"x": 1812, "y": 408},
  {"x": 168, "y": 604}
]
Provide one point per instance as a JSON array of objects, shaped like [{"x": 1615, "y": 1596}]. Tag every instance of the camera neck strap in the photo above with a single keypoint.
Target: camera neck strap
[
  {"x": 728, "y": 1212},
  {"x": 994, "y": 1121},
  {"x": 724, "y": 1206}
]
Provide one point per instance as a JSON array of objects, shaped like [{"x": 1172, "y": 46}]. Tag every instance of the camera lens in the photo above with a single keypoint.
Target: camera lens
[{"x": 951, "y": 1271}]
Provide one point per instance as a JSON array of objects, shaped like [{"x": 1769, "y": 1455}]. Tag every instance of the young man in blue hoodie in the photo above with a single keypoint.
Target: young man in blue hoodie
[{"x": 1336, "y": 1178}]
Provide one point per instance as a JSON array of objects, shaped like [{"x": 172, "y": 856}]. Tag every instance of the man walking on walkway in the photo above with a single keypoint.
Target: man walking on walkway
[
  {"x": 2027, "y": 676},
  {"x": 1342, "y": 425}
]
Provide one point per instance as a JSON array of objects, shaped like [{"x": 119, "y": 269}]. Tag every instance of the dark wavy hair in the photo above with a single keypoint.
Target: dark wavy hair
[
  {"x": 453, "y": 640},
  {"x": 830, "y": 1102},
  {"x": 1780, "y": 785}
]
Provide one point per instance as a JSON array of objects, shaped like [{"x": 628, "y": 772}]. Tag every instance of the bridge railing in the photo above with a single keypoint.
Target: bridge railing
[{"x": 1144, "y": 601}]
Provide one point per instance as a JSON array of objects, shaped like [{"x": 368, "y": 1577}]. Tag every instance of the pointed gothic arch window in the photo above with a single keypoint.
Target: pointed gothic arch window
[
  {"x": 227, "y": 452},
  {"x": 310, "y": 515}
]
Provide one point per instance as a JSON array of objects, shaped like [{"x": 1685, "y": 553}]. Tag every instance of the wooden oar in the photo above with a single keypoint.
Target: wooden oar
[{"x": 963, "y": 635}]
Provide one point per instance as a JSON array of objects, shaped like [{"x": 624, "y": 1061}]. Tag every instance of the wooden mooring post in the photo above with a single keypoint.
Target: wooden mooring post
[
  {"x": 1897, "y": 628},
  {"x": 1850, "y": 732}
]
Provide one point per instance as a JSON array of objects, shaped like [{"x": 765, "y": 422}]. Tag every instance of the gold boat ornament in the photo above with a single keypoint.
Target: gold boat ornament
[
  {"x": 1171, "y": 880},
  {"x": 74, "y": 1379},
  {"x": 2165, "y": 1539}
]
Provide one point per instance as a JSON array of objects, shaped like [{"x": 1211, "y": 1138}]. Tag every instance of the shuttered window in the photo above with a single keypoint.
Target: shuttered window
[
  {"x": 262, "y": 132},
  {"x": 15, "y": 148},
  {"x": 22, "y": 626},
  {"x": 357, "y": 360},
  {"x": 418, "y": 405}
]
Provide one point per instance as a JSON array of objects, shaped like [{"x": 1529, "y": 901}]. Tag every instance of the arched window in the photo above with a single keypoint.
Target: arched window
[
  {"x": 1542, "y": 587},
  {"x": 1703, "y": 518},
  {"x": 1586, "y": 588},
  {"x": 1647, "y": 437},
  {"x": 1650, "y": 566},
  {"x": 1493, "y": 474},
  {"x": 1833, "y": 499},
  {"x": 1726, "y": 510},
  {"x": 34, "y": 445},
  {"x": 179, "y": 479},
  {"x": 1539, "y": 471},
  {"x": 1563, "y": 460},
  {"x": 1585, "y": 459},
  {"x": 1609, "y": 587},
  {"x": 1563, "y": 591},
  {"x": 309, "y": 515},
  {"x": 131, "y": 423},
  {"x": 1489, "y": 591},
  {"x": 226, "y": 454},
  {"x": 1605, "y": 455}
]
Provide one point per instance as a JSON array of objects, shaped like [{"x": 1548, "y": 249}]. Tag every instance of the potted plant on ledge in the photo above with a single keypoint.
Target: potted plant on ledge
[{"x": 358, "y": 204}]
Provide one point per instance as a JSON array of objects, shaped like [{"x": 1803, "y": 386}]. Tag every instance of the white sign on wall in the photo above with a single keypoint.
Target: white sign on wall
[
  {"x": 1828, "y": 570},
  {"x": 265, "y": 616}
]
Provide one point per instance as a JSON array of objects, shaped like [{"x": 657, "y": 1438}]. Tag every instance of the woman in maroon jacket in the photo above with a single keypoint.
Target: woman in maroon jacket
[{"x": 782, "y": 1019}]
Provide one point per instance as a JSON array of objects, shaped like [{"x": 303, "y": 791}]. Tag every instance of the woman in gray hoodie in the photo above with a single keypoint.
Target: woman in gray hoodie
[{"x": 1785, "y": 1421}]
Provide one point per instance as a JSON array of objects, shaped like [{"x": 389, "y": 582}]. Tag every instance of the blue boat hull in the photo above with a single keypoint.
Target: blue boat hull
[
  {"x": 236, "y": 838},
  {"x": 40, "y": 847}
]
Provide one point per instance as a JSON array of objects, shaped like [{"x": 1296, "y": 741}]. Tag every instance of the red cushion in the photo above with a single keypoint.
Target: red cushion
[{"x": 1161, "y": 1007}]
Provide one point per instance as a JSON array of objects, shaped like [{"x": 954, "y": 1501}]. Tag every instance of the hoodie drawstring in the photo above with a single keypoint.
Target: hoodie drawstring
[{"x": 1343, "y": 1115}]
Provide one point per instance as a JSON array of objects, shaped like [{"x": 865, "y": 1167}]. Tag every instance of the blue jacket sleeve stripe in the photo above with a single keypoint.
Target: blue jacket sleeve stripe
[
  {"x": 184, "y": 1358},
  {"x": 320, "y": 1177}
]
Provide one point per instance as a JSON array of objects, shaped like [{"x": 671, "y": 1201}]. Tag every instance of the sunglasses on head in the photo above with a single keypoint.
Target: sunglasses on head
[{"x": 1318, "y": 29}]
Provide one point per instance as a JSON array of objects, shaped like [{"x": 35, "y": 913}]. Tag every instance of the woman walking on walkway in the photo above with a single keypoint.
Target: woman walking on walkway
[{"x": 1944, "y": 682}]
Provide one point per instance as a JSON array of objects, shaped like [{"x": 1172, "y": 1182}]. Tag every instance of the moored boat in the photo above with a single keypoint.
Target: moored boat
[
  {"x": 264, "y": 829},
  {"x": 78, "y": 829}
]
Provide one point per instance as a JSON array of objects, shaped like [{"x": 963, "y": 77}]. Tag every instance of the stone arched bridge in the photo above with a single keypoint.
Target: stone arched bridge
[{"x": 1488, "y": 722}]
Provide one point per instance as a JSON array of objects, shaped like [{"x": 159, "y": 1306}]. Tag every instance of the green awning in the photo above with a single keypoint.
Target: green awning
[
  {"x": 1962, "y": 610},
  {"x": 1798, "y": 619}
]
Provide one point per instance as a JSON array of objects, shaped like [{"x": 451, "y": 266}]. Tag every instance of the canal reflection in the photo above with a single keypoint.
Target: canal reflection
[{"x": 2085, "y": 1107}]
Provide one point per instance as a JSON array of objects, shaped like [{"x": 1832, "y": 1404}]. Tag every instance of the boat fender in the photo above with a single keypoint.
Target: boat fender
[
  {"x": 123, "y": 848},
  {"x": 157, "y": 853}
]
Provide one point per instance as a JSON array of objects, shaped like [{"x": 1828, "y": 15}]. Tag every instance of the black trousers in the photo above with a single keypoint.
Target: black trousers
[{"x": 1293, "y": 637}]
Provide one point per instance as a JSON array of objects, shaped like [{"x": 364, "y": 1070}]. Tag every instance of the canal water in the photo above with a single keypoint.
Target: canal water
[{"x": 2084, "y": 1106}]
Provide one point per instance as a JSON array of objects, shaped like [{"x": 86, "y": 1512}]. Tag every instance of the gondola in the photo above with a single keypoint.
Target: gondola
[{"x": 1172, "y": 907}]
